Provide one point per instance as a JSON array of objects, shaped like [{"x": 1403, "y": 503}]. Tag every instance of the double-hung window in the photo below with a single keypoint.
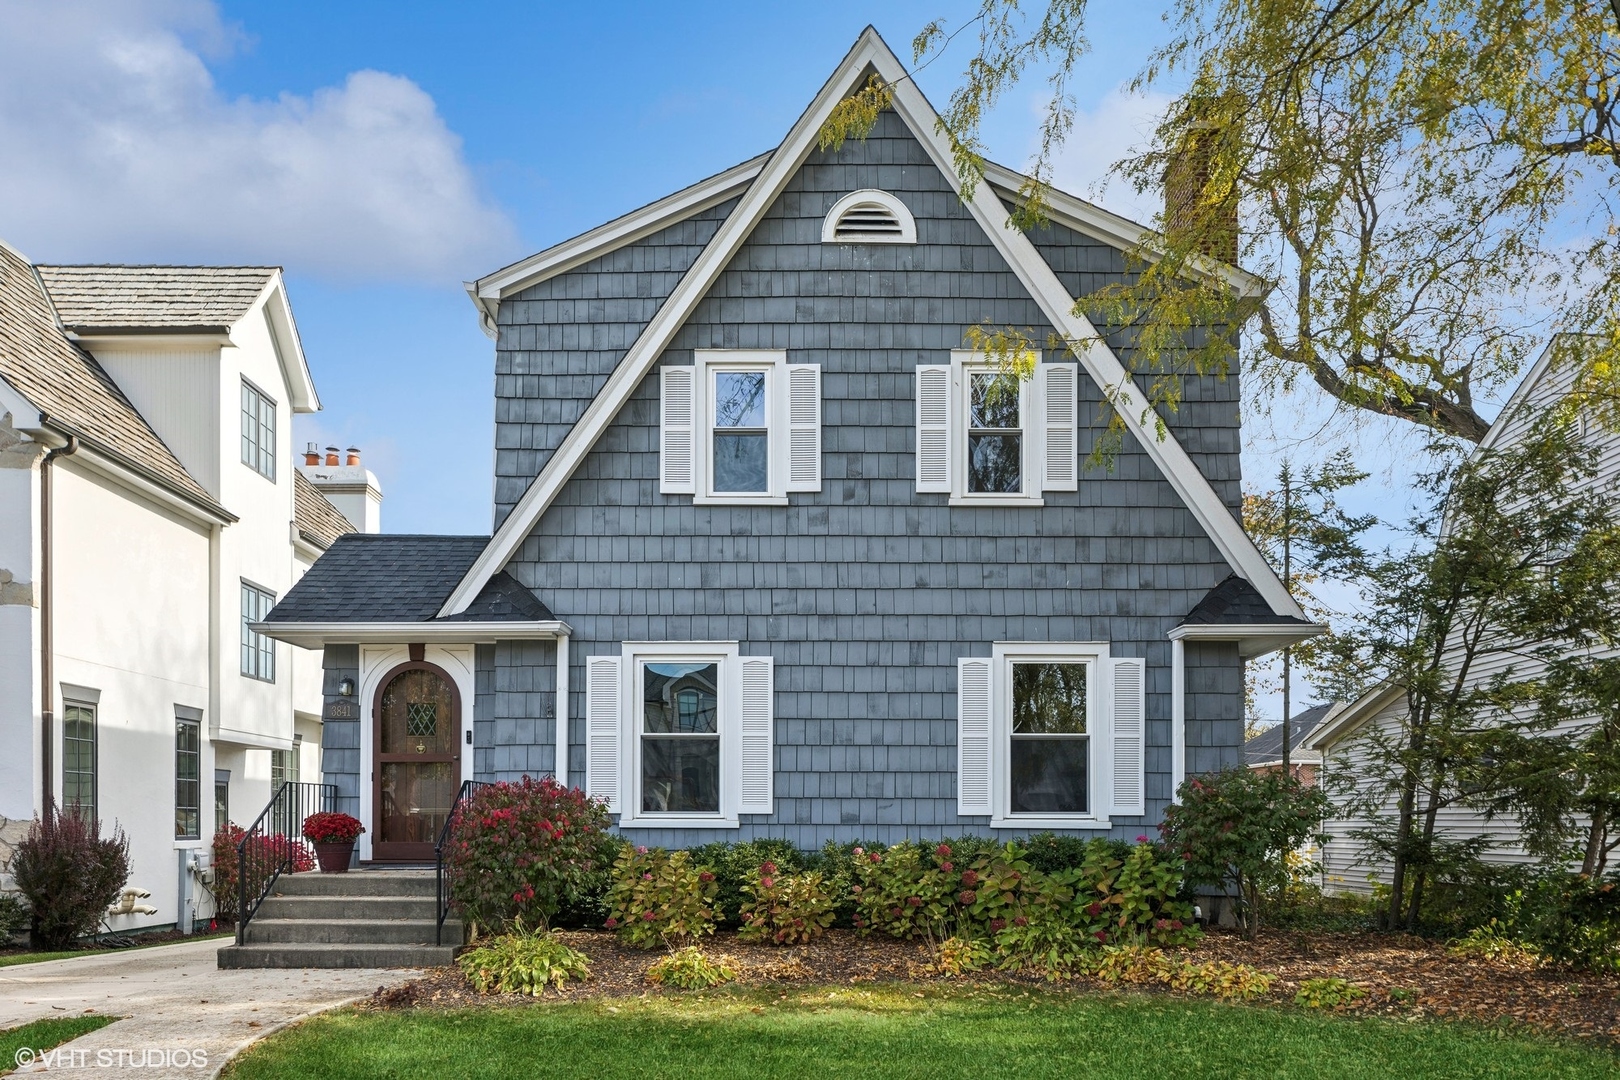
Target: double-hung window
[
  {"x": 739, "y": 426},
  {"x": 679, "y": 734},
  {"x": 187, "y": 777},
  {"x": 79, "y": 759},
  {"x": 258, "y": 431},
  {"x": 996, "y": 403},
  {"x": 1051, "y": 735},
  {"x": 258, "y": 651}
]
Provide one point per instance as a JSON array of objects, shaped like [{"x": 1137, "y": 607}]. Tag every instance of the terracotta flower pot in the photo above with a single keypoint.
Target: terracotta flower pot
[{"x": 334, "y": 858}]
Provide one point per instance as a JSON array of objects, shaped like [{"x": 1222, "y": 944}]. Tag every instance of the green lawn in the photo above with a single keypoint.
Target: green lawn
[
  {"x": 831, "y": 1034},
  {"x": 41, "y": 1035}
]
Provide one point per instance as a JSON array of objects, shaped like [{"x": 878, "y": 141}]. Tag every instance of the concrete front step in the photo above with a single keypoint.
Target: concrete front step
[
  {"x": 264, "y": 931},
  {"x": 359, "y": 883},
  {"x": 348, "y": 907},
  {"x": 334, "y": 956}
]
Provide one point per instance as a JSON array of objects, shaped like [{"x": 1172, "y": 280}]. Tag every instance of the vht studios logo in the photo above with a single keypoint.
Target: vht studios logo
[{"x": 64, "y": 1057}]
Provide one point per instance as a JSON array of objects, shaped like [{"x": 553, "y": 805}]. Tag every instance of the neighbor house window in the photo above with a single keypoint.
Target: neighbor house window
[
  {"x": 222, "y": 798},
  {"x": 258, "y": 651},
  {"x": 187, "y": 779},
  {"x": 995, "y": 434},
  {"x": 258, "y": 431},
  {"x": 79, "y": 760}
]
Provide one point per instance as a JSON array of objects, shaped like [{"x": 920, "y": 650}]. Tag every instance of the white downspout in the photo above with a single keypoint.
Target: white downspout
[
  {"x": 1178, "y": 715},
  {"x": 560, "y": 762}
]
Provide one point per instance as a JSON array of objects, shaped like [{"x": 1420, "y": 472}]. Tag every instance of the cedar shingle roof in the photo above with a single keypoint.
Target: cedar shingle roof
[
  {"x": 316, "y": 519},
  {"x": 153, "y": 297},
  {"x": 66, "y": 384}
]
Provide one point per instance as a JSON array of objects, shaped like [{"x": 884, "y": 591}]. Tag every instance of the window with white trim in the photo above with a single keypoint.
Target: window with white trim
[
  {"x": 989, "y": 436},
  {"x": 258, "y": 651},
  {"x": 1050, "y": 735},
  {"x": 79, "y": 765},
  {"x": 258, "y": 431},
  {"x": 740, "y": 426},
  {"x": 679, "y": 734}
]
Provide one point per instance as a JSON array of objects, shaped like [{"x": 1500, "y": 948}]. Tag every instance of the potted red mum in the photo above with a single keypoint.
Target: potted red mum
[{"x": 333, "y": 836}]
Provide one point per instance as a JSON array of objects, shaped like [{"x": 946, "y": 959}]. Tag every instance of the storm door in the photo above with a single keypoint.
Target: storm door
[{"x": 418, "y": 767}]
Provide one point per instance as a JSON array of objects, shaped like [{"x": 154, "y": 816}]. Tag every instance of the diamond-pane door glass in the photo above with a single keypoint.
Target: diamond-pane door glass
[
  {"x": 741, "y": 435},
  {"x": 416, "y": 800},
  {"x": 416, "y": 714},
  {"x": 1050, "y": 746}
]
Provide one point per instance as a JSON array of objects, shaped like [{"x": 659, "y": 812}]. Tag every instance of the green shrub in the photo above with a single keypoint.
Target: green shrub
[
  {"x": 1490, "y": 942},
  {"x": 784, "y": 909},
  {"x": 522, "y": 962},
  {"x": 690, "y": 969},
  {"x": 1144, "y": 964},
  {"x": 526, "y": 851},
  {"x": 904, "y": 891},
  {"x": 1328, "y": 993},
  {"x": 732, "y": 863},
  {"x": 1125, "y": 893},
  {"x": 69, "y": 874},
  {"x": 14, "y": 916},
  {"x": 960, "y": 955},
  {"x": 658, "y": 896}
]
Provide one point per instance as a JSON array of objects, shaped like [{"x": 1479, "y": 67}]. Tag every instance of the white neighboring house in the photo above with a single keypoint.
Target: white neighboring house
[
  {"x": 1343, "y": 737},
  {"x": 150, "y": 510}
]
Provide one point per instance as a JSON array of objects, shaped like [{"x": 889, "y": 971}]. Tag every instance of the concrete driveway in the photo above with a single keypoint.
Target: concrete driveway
[{"x": 183, "y": 1016}]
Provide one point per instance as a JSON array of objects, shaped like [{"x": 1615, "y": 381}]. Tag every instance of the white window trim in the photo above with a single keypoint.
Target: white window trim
[
  {"x": 1099, "y": 726},
  {"x": 774, "y": 363},
  {"x": 727, "y": 655},
  {"x": 963, "y": 363}
]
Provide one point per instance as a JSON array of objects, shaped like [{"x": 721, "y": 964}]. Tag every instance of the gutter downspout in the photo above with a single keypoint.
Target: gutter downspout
[
  {"x": 47, "y": 642},
  {"x": 1178, "y": 715}
]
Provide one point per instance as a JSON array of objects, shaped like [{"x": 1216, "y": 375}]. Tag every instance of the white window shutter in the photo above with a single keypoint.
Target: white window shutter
[
  {"x": 934, "y": 427},
  {"x": 758, "y": 718},
  {"x": 1059, "y": 406},
  {"x": 972, "y": 736},
  {"x": 677, "y": 423},
  {"x": 804, "y": 427},
  {"x": 604, "y": 722},
  {"x": 1130, "y": 736}
]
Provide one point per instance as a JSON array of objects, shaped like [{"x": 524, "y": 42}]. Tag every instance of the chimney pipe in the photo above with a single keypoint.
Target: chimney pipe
[
  {"x": 353, "y": 456},
  {"x": 331, "y": 455},
  {"x": 312, "y": 456}
]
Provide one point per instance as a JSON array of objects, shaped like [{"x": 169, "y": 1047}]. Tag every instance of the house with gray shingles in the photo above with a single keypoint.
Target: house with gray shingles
[{"x": 775, "y": 554}]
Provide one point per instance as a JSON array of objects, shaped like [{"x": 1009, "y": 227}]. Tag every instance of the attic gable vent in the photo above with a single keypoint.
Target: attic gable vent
[{"x": 869, "y": 217}]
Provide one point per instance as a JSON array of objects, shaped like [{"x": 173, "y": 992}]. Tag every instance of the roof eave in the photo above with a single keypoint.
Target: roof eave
[
  {"x": 1253, "y": 639},
  {"x": 289, "y": 349},
  {"x": 311, "y": 635},
  {"x": 1336, "y": 726}
]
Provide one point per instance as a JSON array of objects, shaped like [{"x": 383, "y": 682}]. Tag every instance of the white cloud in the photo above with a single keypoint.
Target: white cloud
[
  {"x": 1112, "y": 130},
  {"x": 118, "y": 145}
]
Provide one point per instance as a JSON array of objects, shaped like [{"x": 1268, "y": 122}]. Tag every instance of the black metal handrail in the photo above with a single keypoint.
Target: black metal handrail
[
  {"x": 467, "y": 788},
  {"x": 272, "y": 844}
]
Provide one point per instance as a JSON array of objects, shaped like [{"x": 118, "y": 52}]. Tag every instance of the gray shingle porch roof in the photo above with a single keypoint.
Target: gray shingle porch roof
[
  {"x": 1234, "y": 602},
  {"x": 372, "y": 578}
]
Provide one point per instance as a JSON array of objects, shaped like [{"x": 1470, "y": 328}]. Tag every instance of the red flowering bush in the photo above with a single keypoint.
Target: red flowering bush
[
  {"x": 332, "y": 828},
  {"x": 526, "y": 850},
  {"x": 658, "y": 896},
  {"x": 906, "y": 891},
  {"x": 785, "y": 909},
  {"x": 265, "y": 854}
]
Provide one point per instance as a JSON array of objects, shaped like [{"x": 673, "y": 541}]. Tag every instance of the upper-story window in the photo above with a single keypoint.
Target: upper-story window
[
  {"x": 740, "y": 426},
  {"x": 995, "y": 433},
  {"x": 258, "y": 431},
  {"x": 258, "y": 651},
  {"x": 869, "y": 216}
]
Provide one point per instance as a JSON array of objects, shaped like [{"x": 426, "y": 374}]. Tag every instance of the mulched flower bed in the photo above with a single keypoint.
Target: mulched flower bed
[{"x": 1486, "y": 991}]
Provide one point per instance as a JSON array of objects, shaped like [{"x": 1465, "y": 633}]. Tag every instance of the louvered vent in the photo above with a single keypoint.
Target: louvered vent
[{"x": 869, "y": 217}]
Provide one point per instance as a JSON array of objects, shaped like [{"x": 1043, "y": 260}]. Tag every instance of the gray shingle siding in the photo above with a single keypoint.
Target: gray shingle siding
[
  {"x": 865, "y": 593},
  {"x": 340, "y": 739}
]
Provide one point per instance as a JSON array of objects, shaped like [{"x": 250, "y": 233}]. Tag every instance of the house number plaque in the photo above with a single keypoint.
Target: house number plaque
[{"x": 342, "y": 710}]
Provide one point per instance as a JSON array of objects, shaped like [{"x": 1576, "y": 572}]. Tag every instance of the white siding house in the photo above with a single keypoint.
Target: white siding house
[
  {"x": 149, "y": 508},
  {"x": 1345, "y": 739}
]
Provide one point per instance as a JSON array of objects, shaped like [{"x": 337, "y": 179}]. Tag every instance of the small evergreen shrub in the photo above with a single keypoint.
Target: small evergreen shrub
[
  {"x": 522, "y": 962},
  {"x": 525, "y": 851},
  {"x": 690, "y": 969},
  {"x": 784, "y": 909},
  {"x": 658, "y": 896},
  {"x": 14, "y": 916},
  {"x": 69, "y": 874},
  {"x": 1328, "y": 993}
]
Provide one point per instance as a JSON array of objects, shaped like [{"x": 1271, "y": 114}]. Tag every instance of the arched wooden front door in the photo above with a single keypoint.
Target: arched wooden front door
[{"x": 417, "y": 717}]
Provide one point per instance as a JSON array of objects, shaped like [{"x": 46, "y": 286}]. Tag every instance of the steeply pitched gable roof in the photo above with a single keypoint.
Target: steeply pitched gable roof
[
  {"x": 176, "y": 298},
  {"x": 314, "y": 516},
  {"x": 871, "y": 54},
  {"x": 77, "y": 396}
]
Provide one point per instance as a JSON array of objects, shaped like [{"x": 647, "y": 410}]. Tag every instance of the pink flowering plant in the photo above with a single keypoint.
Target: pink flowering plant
[
  {"x": 784, "y": 908},
  {"x": 523, "y": 851},
  {"x": 907, "y": 890},
  {"x": 658, "y": 897},
  {"x": 1026, "y": 913}
]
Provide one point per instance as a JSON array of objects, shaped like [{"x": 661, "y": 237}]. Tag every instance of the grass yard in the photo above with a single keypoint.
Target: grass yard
[
  {"x": 42, "y": 1035},
  {"x": 901, "y": 1031}
]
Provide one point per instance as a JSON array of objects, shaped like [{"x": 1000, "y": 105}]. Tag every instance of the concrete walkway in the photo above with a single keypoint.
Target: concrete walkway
[{"x": 183, "y": 1016}]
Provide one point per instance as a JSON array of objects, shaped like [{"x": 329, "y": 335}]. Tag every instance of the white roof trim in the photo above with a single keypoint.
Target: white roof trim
[
  {"x": 314, "y": 634},
  {"x": 1336, "y": 725},
  {"x": 1032, "y": 270},
  {"x": 1253, "y": 639},
  {"x": 289, "y": 350},
  {"x": 1522, "y": 392}
]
